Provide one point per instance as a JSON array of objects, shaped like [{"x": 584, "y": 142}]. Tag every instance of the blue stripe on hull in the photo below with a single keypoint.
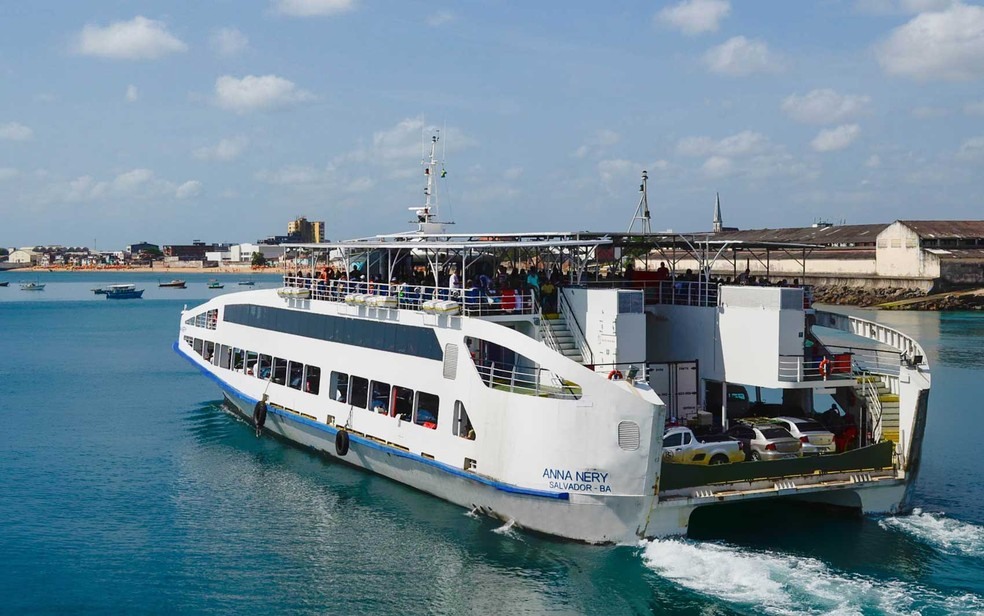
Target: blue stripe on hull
[{"x": 371, "y": 444}]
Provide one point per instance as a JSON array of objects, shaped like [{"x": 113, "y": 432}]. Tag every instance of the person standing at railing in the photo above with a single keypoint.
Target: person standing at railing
[{"x": 548, "y": 294}]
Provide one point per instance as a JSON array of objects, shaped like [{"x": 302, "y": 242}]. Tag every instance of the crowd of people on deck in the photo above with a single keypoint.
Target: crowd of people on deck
[
  {"x": 507, "y": 290},
  {"x": 513, "y": 289}
]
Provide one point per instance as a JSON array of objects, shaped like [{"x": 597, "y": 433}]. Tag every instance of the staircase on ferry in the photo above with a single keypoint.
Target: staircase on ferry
[
  {"x": 558, "y": 336},
  {"x": 882, "y": 404}
]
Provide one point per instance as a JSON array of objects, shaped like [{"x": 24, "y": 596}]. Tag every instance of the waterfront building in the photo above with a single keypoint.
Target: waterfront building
[{"x": 306, "y": 231}]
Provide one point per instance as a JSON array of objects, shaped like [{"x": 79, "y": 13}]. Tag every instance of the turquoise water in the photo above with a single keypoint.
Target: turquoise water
[{"x": 125, "y": 488}]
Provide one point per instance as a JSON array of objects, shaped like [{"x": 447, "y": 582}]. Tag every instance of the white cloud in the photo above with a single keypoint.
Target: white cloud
[
  {"x": 832, "y": 139},
  {"x": 902, "y": 7},
  {"x": 740, "y": 56},
  {"x": 440, "y": 18},
  {"x": 132, "y": 94},
  {"x": 602, "y": 139},
  {"x": 191, "y": 188},
  {"x": 718, "y": 166},
  {"x": 310, "y": 8},
  {"x": 8, "y": 173},
  {"x": 513, "y": 173},
  {"x": 613, "y": 171},
  {"x": 824, "y": 106},
  {"x": 131, "y": 181},
  {"x": 946, "y": 45},
  {"x": 224, "y": 151},
  {"x": 975, "y": 108},
  {"x": 252, "y": 93},
  {"x": 294, "y": 175},
  {"x": 137, "y": 39},
  {"x": 873, "y": 162},
  {"x": 741, "y": 144},
  {"x": 972, "y": 149},
  {"x": 228, "y": 41},
  {"x": 925, "y": 112},
  {"x": 695, "y": 16},
  {"x": 12, "y": 131}
]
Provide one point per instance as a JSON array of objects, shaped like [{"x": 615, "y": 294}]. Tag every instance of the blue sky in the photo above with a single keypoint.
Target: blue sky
[{"x": 142, "y": 120}]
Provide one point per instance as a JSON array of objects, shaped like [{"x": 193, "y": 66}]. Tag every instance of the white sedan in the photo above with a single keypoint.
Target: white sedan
[{"x": 816, "y": 439}]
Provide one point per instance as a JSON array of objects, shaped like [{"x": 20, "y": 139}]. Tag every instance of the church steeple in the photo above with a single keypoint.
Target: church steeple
[{"x": 718, "y": 223}]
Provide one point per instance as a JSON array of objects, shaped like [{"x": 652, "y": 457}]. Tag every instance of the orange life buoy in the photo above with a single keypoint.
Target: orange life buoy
[
  {"x": 824, "y": 367},
  {"x": 614, "y": 375}
]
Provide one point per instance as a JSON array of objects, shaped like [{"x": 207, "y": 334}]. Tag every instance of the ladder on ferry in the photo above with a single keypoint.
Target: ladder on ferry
[
  {"x": 882, "y": 404},
  {"x": 558, "y": 336}
]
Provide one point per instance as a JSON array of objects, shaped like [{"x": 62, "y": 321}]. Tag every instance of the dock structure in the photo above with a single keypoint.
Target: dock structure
[{"x": 931, "y": 256}]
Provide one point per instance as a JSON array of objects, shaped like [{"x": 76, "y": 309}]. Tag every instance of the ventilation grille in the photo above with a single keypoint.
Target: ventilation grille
[
  {"x": 628, "y": 435},
  {"x": 450, "y": 361}
]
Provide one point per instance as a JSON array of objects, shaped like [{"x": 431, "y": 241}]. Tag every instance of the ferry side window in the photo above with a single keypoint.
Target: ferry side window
[
  {"x": 295, "y": 374},
  {"x": 427, "y": 407},
  {"x": 338, "y": 386},
  {"x": 209, "y": 351},
  {"x": 237, "y": 359},
  {"x": 380, "y": 397},
  {"x": 673, "y": 440},
  {"x": 266, "y": 367},
  {"x": 279, "y": 371},
  {"x": 462, "y": 424},
  {"x": 251, "y": 359},
  {"x": 312, "y": 380},
  {"x": 359, "y": 395},
  {"x": 403, "y": 403},
  {"x": 199, "y": 345}
]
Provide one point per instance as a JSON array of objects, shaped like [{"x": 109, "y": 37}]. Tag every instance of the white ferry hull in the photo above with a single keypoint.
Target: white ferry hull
[{"x": 591, "y": 519}]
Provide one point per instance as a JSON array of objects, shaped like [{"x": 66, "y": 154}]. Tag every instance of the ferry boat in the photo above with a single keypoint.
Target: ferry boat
[{"x": 424, "y": 357}]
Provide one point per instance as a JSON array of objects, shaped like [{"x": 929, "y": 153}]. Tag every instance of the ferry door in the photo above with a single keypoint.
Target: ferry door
[{"x": 676, "y": 384}]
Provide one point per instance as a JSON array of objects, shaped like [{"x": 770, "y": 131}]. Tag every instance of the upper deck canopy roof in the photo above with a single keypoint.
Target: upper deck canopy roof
[
  {"x": 548, "y": 239},
  {"x": 465, "y": 241}
]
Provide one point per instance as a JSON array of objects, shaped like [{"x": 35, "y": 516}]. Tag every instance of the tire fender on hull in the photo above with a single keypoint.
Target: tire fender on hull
[
  {"x": 341, "y": 443},
  {"x": 259, "y": 414}
]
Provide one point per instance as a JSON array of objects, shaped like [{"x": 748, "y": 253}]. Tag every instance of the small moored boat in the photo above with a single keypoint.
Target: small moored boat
[
  {"x": 215, "y": 284},
  {"x": 175, "y": 284},
  {"x": 32, "y": 286},
  {"x": 122, "y": 291},
  {"x": 7, "y": 282},
  {"x": 246, "y": 283}
]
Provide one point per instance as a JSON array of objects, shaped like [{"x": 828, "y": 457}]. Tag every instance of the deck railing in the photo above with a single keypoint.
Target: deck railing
[
  {"x": 526, "y": 380},
  {"x": 472, "y": 301},
  {"x": 667, "y": 292}
]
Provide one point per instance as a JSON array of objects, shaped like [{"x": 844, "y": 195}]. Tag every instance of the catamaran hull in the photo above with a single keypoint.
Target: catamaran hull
[{"x": 608, "y": 519}]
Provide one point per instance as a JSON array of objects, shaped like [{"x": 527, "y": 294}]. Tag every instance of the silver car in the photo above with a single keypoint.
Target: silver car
[
  {"x": 816, "y": 439},
  {"x": 766, "y": 441}
]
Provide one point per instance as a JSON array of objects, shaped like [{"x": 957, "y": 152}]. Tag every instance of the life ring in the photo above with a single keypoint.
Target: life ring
[
  {"x": 615, "y": 375},
  {"x": 824, "y": 367},
  {"x": 259, "y": 414},
  {"x": 341, "y": 442}
]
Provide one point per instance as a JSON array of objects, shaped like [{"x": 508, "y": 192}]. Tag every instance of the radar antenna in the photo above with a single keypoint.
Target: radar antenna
[{"x": 642, "y": 211}]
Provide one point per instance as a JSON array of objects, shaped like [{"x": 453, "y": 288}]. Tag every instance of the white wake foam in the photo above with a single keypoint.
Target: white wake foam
[
  {"x": 507, "y": 530},
  {"x": 946, "y": 534},
  {"x": 786, "y": 584}
]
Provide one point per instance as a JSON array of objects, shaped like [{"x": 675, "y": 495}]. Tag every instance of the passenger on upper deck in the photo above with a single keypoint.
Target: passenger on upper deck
[{"x": 662, "y": 272}]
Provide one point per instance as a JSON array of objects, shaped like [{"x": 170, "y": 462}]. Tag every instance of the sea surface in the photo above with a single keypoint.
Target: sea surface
[{"x": 125, "y": 488}]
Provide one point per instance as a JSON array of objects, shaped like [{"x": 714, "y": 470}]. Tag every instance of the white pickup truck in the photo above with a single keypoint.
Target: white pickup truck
[{"x": 682, "y": 446}]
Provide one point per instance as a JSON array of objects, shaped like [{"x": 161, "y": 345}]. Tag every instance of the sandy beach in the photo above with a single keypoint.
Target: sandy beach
[{"x": 156, "y": 270}]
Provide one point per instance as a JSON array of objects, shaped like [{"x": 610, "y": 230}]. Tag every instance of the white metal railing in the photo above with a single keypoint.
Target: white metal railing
[
  {"x": 526, "y": 380},
  {"x": 580, "y": 341},
  {"x": 910, "y": 351},
  {"x": 472, "y": 301},
  {"x": 873, "y": 403},
  {"x": 667, "y": 292},
  {"x": 797, "y": 368}
]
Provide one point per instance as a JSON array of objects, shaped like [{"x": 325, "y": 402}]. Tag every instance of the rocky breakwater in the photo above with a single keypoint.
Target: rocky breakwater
[{"x": 898, "y": 298}]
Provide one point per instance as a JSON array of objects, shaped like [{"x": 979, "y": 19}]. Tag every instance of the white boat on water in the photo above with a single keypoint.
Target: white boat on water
[
  {"x": 32, "y": 286},
  {"x": 548, "y": 409}
]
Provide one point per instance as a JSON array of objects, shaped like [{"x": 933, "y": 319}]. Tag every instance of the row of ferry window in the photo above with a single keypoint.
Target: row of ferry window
[
  {"x": 420, "y": 407},
  {"x": 293, "y": 374},
  {"x": 206, "y": 319}
]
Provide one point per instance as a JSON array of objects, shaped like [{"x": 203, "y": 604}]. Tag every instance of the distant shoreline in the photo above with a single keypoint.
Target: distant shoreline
[{"x": 170, "y": 271}]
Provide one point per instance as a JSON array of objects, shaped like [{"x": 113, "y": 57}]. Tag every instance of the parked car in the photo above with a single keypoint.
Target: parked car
[
  {"x": 816, "y": 439},
  {"x": 681, "y": 445},
  {"x": 766, "y": 441}
]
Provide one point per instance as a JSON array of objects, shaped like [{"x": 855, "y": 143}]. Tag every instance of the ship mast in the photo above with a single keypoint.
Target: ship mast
[
  {"x": 428, "y": 214},
  {"x": 642, "y": 210}
]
